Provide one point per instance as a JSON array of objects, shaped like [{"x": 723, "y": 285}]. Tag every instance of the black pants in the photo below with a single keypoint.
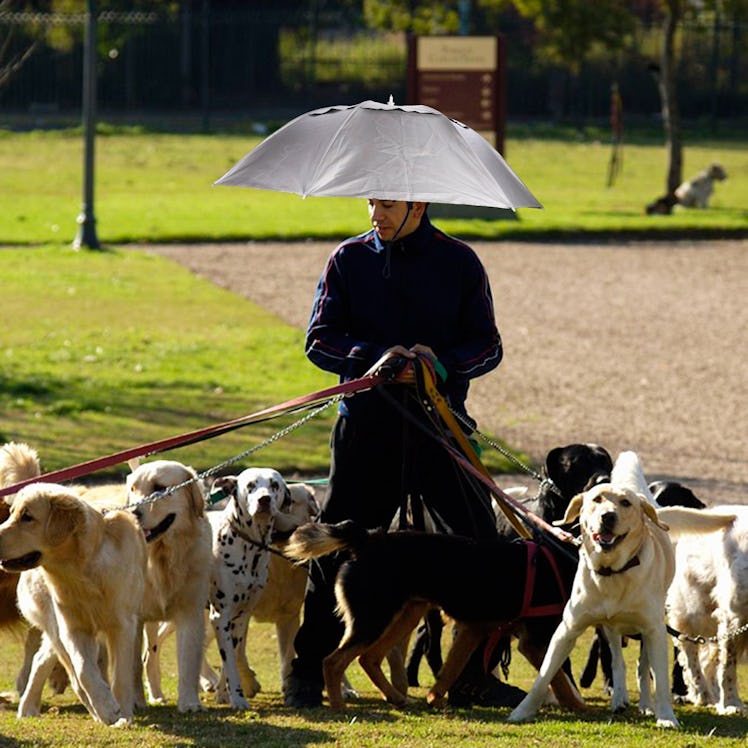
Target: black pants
[{"x": 375, "y": 462}]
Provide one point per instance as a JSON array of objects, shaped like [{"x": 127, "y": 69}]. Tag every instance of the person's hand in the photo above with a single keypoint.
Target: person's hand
[
  {"x": 395, "y": 364},
  {"x": 424, "y": 350},
  {"x": 419, "y": 349}
]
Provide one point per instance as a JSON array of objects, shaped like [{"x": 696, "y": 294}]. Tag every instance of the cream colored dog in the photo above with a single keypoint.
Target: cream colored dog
[
  {"x": 709, "y": 598},
  {"x": 82, "y": 580},
  {"x": 180, "y": 557},
  {"x": 626, "y": 564},
  {"x": 695, "y": 193}
]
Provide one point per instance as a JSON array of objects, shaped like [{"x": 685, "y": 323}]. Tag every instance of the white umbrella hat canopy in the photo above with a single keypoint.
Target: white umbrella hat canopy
[{"x": 384, "y": 151}]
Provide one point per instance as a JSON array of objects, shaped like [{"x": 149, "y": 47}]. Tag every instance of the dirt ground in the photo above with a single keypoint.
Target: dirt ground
[{"x": 633, "y": 346}]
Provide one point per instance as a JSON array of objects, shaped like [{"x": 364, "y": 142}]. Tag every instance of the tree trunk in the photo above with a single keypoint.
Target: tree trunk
[{"x": 669, "y": 98}]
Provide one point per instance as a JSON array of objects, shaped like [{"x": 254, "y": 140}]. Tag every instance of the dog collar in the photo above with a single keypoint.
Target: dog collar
[{"x": 607, "y": 571}]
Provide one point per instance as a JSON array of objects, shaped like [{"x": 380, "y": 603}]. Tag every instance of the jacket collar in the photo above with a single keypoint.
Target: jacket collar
[{"x": 414, "y": 242}]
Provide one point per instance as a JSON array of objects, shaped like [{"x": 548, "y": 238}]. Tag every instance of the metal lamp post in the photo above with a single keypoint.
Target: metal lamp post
[{"x": 86, "y": 236}]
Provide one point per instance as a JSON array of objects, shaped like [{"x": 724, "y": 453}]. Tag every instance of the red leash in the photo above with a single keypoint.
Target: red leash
[{"x": 191, "y": 437}]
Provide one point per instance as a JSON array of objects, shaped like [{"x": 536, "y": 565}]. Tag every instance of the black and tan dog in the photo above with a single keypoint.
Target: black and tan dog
[{"x": 393, "y": 578}]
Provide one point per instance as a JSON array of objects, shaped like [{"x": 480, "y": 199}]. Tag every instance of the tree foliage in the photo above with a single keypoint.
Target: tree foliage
[
  {"x": 58, "y": 24},
  {"x": 427, "y": 18},
  {"x": 569, "y": 29}
]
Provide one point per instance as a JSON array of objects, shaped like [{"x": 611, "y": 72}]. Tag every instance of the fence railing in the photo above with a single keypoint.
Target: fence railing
[{"x": 255, "y": 63}]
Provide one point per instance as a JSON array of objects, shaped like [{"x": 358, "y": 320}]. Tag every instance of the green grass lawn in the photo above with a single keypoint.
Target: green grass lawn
[
  {"x": 159, "y": 187},
  {"x": 102, "y": 351},
  {"x": 366, "y": 722}
]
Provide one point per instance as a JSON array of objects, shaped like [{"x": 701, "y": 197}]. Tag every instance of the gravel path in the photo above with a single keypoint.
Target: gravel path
[{"x": 634, "y": 346}]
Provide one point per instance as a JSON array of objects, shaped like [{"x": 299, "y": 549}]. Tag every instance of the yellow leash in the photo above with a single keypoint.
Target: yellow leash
[{"x": 438, "y": 401}]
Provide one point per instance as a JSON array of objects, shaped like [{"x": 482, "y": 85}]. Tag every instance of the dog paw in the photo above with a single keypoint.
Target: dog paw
[
  {"x": 122, "y": 722},
  {"x": 27, "y": 711},
  {"x": 252, "y": 689},
  {"x": 520, "y": 714},
  {"x": 190, "y": 706},
  {"x": 669, "y": 723},
  {"x": 240, "y": 704},
  {"x": 730, "y": 709},
  {"x": 349, "y": 692},
  {"x": 400, "y": 700},
  {"x": 436, "y": 701}
]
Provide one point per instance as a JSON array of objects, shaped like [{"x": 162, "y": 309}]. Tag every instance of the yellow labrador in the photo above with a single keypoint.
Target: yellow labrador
[
  {"x": 82, "y": 581},
  {"x": 626, "y": 564}
]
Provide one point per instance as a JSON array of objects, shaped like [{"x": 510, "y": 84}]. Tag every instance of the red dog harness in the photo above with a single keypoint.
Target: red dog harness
[{"x": 528, "y": 610}]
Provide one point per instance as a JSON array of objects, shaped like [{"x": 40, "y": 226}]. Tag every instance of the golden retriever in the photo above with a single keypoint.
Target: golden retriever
[
  {"x": 180, "y": 557},
  {"x": 17, "y": 463},
  {"x": 626, "y": 564},
  {"x": 82, "y": 580}
]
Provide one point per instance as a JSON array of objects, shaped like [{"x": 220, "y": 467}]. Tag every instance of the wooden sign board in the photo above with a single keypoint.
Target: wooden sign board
[{"x": 463, "y": 77}]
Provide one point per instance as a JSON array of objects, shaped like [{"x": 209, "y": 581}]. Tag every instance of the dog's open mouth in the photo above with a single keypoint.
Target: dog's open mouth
[
  {"x": 607, "y": 540},
  {"x": 22, "y": 563},
  {"x": 155, "y": 532}
]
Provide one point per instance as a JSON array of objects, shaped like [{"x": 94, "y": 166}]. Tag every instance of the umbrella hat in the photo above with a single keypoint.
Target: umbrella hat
[{"x": 384, "y": 151}]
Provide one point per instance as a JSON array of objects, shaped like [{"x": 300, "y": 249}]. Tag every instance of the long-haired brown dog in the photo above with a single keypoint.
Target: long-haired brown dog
[
  {"x": 393, "y": 578},
  {"x": 18, "y": 462}
]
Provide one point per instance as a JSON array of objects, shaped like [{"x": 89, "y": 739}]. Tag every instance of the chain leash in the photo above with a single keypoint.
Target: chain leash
[
  {"x": 156, "y": 495},
  {"x": 545, "y": 482},
  {"x": 710, "y": 639}
]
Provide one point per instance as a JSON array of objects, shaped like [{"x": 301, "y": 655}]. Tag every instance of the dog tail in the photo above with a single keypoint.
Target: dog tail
[
  {"x": 684, "y": 521},
  {"x": 18, "y": 462},
  {"x": 317, "y": 539}
]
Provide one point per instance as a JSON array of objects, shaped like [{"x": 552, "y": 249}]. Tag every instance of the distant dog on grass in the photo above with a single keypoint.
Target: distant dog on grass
[{"x": 695, "y": 193}]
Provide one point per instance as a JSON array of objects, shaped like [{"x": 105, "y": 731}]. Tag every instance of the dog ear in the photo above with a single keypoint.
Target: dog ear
[
  {"x": 287, "y": 500},
  {"x": 65, "y": 516},
  {"x": 572, "y": 511},
  {"x": 651, "y": 511},
  {"x": 197, "y": 500},
  {"x": 227, "y": 483}
]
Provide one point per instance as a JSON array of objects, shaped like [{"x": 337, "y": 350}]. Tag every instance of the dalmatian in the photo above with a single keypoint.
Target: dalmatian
[{"x": 242, "y": 532}]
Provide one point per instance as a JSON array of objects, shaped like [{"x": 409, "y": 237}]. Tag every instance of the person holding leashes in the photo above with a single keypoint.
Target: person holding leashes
[{"x": 401, "y": 290}]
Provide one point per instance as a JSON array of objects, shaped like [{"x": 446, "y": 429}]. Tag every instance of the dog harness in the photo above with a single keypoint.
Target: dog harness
[{"x": 528, "y": 610}]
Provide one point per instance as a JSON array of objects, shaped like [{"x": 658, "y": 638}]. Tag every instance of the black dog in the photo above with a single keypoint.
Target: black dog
[
  {"x": 393, "y": 578},
  {"x": 669, "y": 493},
  {"x": 662, "y": 206},
  {"x": 570, "y": 470}
]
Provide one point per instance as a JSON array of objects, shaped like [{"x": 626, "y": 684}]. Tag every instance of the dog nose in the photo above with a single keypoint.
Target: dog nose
[
  {"x": 264, "y": 503},
  {"x": 608, "y": 519},
  {"x": 138, "y": 512}
]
